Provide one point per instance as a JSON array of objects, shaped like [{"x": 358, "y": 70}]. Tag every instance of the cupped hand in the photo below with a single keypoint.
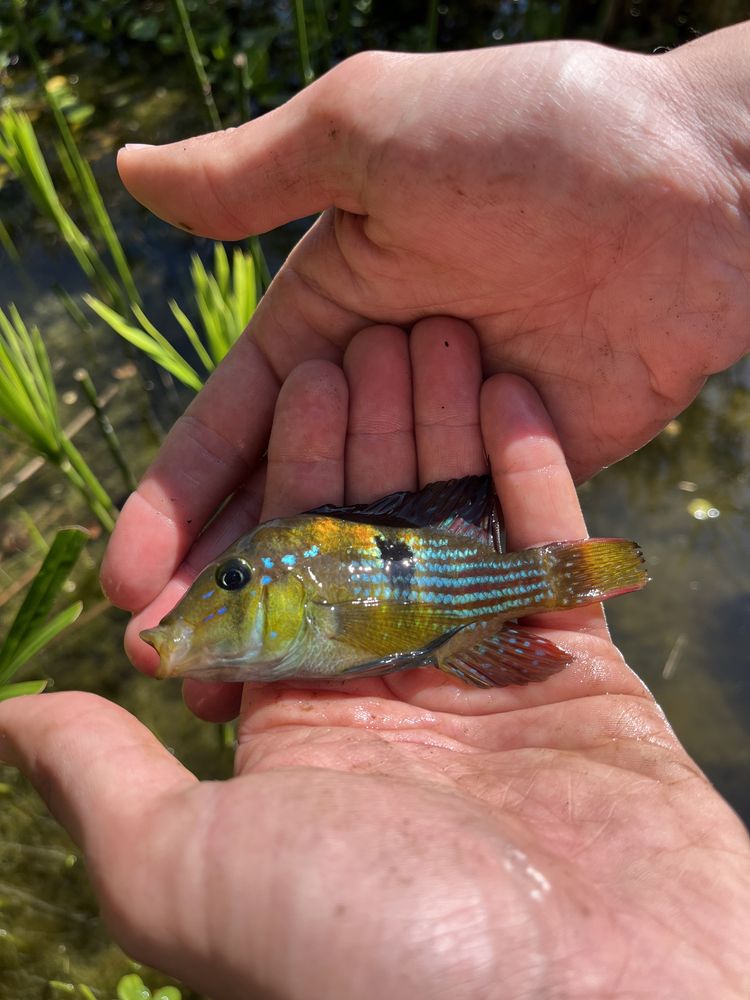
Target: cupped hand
[
  {"x": 585, "y": 209},
  {"x": 409, "y": 836}
]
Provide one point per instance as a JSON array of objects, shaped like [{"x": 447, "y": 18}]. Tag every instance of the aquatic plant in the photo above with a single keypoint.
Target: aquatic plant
[
  {"x": 19, "y": 148},
  {"x": 132, "y": 987},
  {"x": 29, "y": 411},
  {"x": 31, "y": 630},
  {"x": 197, "y": 63},
  {"x": 225, "y": 300},
  {"x": 79, "y": 174}
]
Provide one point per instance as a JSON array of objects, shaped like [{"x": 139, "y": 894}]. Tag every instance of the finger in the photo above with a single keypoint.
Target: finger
[
  {"x": 533, "y": 482},
  {"x": 287, "y": 164},
  {"x": 380, "y": 451},
  {"x": 212, "y": 702},
  {"x": 130, "y": 805},
  {"x": 306, "y": 450},
  {"x": 75, "y": 749},
  {"x": 447, "y": 379}
]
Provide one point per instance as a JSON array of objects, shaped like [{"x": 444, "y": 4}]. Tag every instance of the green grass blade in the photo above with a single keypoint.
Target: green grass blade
[
  {"x": 192, "y": 335},
  {"x": 39, "y": 638},
  {"x": 96, "y": 496},
  {"x": 27, "y": 394},
  {"x": 25, "y": 687},
  {"x": 221, "y": 269},
  {"x": 195, "y": 59},
  {"x": 245, "y": 290},
  {"x": 90, "y": 191},
  {"x": 303, "y": 47},
  {"x": 6, "y": 241},
  {"x": 212, "y": 307},
  {"x": 20, "y": 148},
  {"x": 150, "y": 343},
  {"x": 52, "y": 574},
  {"x": 261, "y": 265}
]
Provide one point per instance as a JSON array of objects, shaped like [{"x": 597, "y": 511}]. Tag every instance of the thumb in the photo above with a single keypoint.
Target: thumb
[
  {"x": 118, "y": 792},
  {"x": 94, "y": 764},
  {"x": 294, "y": 161}
]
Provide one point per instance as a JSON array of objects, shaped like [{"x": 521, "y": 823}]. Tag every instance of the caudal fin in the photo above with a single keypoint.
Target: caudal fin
[{"x": 593, "y": 569}]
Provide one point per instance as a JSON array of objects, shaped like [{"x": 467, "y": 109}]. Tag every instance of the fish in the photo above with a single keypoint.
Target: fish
[{"x": 411, "y": 580}]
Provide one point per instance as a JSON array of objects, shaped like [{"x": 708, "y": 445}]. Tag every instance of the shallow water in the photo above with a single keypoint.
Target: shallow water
[{"x": 687, "y": 636}]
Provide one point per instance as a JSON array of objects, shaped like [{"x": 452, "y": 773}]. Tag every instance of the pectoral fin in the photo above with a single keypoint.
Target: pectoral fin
[{"x": 493, "y": 654}]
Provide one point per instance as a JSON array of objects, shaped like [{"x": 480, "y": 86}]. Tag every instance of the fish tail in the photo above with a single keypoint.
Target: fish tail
[{"x": 590, "y": 570}]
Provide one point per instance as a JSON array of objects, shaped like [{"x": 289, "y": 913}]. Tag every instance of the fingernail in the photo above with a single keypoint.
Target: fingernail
[{"x": 137, "y": 145}]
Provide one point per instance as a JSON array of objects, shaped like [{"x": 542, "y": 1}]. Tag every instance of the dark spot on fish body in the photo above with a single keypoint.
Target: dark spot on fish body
[{"x": 398, "y": 562}]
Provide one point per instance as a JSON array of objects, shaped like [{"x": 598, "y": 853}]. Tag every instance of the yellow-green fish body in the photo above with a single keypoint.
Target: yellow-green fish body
[{"x": 364, "y": 591}]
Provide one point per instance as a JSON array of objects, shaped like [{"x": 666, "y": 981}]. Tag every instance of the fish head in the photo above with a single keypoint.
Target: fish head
[{"x": 220, "y": 630}]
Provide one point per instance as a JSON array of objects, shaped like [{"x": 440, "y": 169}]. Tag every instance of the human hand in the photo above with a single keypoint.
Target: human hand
[
  {"x": 585, "y": 209},
  {"x": 409, "y": 836}
]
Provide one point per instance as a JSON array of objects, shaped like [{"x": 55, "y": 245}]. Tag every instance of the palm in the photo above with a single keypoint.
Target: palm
[
  {"x": 408, "y": 836},
  {"x": 555, "y": 850}
]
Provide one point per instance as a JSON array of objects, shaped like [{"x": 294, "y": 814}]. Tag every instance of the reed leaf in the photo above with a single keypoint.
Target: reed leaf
[
  {"x": 21, "y": 151},
  {"x": 226, "y": 299},
  {"x": 28, "y": 405},
  {"x": 149, "y": 340},
  {"x": 303, "y": 47},
  {"x": 197, "y": 63},
  {"x": 24, "y": 687},
  {"x": 30, "y": 630},
  {"x": 86, "y": 188},
  {"x": 28, "y": 410},
  {"x": 192, "y": 335},
  {"x": 41, "y": 638},
  {"x": 6, "y": 241}
]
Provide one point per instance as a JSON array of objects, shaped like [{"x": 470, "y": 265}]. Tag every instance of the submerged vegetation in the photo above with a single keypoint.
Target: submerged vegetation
[{"x": 151, "y": 312}]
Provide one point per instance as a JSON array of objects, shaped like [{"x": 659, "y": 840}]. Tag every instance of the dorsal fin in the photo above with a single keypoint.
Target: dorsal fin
[{"x": 467, "y": 506}]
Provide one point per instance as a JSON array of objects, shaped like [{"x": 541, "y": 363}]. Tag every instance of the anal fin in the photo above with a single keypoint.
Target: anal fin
[{"x": 492, "y": 654}]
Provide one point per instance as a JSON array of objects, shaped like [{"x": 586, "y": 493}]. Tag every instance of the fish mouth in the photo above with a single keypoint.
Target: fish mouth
[
  {"x": 178, "y": 657},
  {"x": 172, "y": 644}
]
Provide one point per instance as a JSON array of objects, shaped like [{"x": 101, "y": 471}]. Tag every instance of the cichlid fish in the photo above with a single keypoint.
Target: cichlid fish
[{"x": 413, "y": 579}]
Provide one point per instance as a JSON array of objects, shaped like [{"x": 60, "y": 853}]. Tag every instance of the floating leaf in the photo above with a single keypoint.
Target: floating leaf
[{"x": 132, "y": 987}]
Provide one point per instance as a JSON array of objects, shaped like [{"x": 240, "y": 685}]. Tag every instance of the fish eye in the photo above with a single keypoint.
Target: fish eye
[{"x": 233, "y": 574}]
